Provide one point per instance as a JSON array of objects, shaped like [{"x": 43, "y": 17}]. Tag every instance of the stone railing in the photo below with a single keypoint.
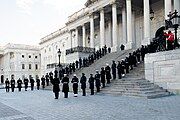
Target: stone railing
[{"x": 80, "y": 49}]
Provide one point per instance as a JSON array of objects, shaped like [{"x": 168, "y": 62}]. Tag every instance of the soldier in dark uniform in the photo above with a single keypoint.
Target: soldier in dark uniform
[
  {"x": 75, "y": 82},
  {"x": 19, "y": 84},
  {"x": 32, "y": 83},
  {"x": 47, "y": 79},
  {"x": 105, "y": 49},
  {"x": 123, "y": 67},
  {"x": 113, "y": 67},
  {"x": 77, "y": 62},
  {"x": 83, "y": 84},
  {"x": 138, "y": 54},
  {"x": 70, "y": 68},
  {"x": 119, "y": 68},
  {"x": 7, "y": 84},
  {"x": 26, "y": 83},
  {"x": 80, "y": 62},
  {"x": 73, "y": 67},
  {"x": 100, "y": 53},
  {"x": 50, "y": 76},
  {"x": 122, "y": 47},
  {"x": 55, "y": 82},
  {"x": 134, "y": 59},
  {"x": 108, "y": 73},
  {"x": 43, "y": 82},
  {"x": 109, "y": 49},
  {"x": 12, "y": 84},
  {"x": 126, "y": 62},
  {"x": 143, "y": 52},
  {"x": 103, "y": 77},
  {"x": 130, "y": 60},
  {"x": 91, "y": 84},
  {"x": 97, "y": 80},
  {"x": 84, "y": 62},
  {"x": 38, "y": 83},
  {"x": 65, "y": 88}
]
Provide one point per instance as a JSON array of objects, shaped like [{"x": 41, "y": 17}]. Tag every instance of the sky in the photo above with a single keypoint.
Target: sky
[{"x": 27, "y": 21}]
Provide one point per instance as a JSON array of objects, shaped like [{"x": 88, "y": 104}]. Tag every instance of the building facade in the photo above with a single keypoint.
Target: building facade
[
  {"x": 106, "y": 22},
  {"x": 19, "y": 61}
]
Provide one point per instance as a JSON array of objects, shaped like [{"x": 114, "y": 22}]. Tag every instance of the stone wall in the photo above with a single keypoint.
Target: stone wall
[{"x": 163, "y": 68}]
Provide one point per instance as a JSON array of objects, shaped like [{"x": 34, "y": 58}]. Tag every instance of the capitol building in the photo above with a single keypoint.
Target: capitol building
[{"x": 101, "y": 22}]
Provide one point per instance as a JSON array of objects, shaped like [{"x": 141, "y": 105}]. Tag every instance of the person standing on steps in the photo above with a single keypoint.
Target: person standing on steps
[
  {"x": 113, "y": 67},
  {"x": 83, "y": 84},
  {"x": 126, "y": 62},
  {"x": 143, "y": 52},
  {"x": 119, "y": 69},
  {"x": 19, "y": 84},
  {"x": 122, "y": 47},
  {"x": 97, "y": 81},
  {"x": 38, "y": 82},
  {"x": 103, "y": 77},
  {"x": 12, "y": 84},
  {"x": 123, "y": 67},
  {"x": 47, "y": 79},
  {"x": 91, "y": 84},
  {"x": 7, "y": 84},
  {"x": 108, "y": 73},
  {"x": 26, "y": 81},
  {"x": 55, "y": 82},
  {"x": 65, "y": 88}
]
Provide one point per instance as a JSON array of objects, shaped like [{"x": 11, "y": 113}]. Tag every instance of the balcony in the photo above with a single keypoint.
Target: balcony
[{"x": 80, "y": 49}]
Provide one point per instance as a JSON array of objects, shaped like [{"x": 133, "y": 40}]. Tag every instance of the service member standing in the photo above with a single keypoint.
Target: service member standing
[
  {"x": 119, "y": 68},
  {"x": 113, "y": 67},
  {"x": 47, "y": 79},
  {"x": 83, "y": 84},
  {"x": 108, "y": 73},
  {"x": 26, "y": 83},
  {"x": 38, "y": 83},
  {"x": 32, "y": 83},
  {"x": 43, "y": 82},
  {"x": 12, "y": 84},
  {"x": 65, "y": 88},
  {"x": 91, "y": 84},
  {"x": 103, "y": 77},
  {"x": 7, "y": 83},
  {"x": 56, "y": 88},
  {"x": 19, "y": 84},
  {"x": 97, "y": 81},
  {"x": 75, "y": 82}
]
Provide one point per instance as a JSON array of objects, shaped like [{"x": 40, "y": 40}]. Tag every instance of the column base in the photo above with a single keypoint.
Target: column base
[
  {"x": 145, "y": 41},
  {"x": 128, "y": 45}
]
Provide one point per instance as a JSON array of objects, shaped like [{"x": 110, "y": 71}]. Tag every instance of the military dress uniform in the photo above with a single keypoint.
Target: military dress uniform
[
  {"x": 19, "y": 84},
  {"x": 75, "y": 82},
  {"x": 12, "y": 84},
  {"x": 97, "y": 81},
  {"x": 7, "y": 83},
  {"x": 65, "y": 88},
  {"x": 91, "y": 84},
  {"x": 83, "y": 84},
  {"x": 26, "y": 83}
]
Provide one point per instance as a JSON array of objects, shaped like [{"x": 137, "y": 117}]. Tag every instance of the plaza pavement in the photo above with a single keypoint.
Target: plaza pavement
[{"x": 41, "y": 105}]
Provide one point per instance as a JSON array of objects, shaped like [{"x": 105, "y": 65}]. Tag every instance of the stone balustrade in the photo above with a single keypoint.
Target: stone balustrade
[{"x": 80, "y": 49}]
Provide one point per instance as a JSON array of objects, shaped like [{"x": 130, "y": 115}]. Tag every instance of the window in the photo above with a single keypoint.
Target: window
[
  {"x": 36, "y": 57},
  {"x": 22, "y": 56},
  {"x": 29, "y": 66},
  {"x": 23, "y": 66},
  {"x": 36, "y": 66},
  {"x": 29, "y": 56}
]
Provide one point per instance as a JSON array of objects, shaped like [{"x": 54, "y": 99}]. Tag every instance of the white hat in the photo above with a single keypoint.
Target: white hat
[
  {"x": 74, "y": 74},
  {"x": 107, "y": 64},
  {"x": 65, "y": 74}
]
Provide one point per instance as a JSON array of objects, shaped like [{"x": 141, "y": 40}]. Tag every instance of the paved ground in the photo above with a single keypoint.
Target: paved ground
[{"x": 41, "y": 105}]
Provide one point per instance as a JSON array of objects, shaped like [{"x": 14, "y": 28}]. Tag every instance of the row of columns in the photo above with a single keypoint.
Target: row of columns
[{"x": 126, "y": 23}]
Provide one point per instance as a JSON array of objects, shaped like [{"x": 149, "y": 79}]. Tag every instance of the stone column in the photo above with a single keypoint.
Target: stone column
[
  {"x": 146, "y": 23},
  {"x": 92, "y": 31},
  {"x": 70, "y": 35},
  {"x": 124, "y": 26},
  {"x": 129, "y": 24},
  {"x": 109, "y": 41},
  {"x": 77, "y": 38},
  {"x": 177, "y": 5},
  {"x": 102, "y": 23},
  {"x": 84, "y": 35},
  {"x": 168, "y": 8},
  {"x": 114, "y": 26}
]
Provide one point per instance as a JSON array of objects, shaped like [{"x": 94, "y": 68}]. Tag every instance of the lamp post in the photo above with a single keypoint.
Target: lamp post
[
  {"x": 175, "y": 18},
  {"x": 59, "y": 55}
]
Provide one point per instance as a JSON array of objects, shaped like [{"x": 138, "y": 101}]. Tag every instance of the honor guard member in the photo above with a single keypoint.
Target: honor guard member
[
  {"x": 7, "y": 83},
  {"x": 103, "y": 77},
  {"x": 123, "y": 67},
  {"x": 127, "y": 65},
  {"x": 83, "y": 84},
  {"x": 113, "y": 67},
  {"x": 108, "y": 73},
  {"x": 91, "y": 84},
  {"x": 26, "y": 83},
  {"x": 47, "y": 79},
  {"x": 38, "y": 82},
  {"x": 51, "y": 76},
  {"x": 32, "y": 83},
  {"x": 97, "y": 81},
  {"x": 119, "y": 69},
  {"x": 19, "y": 84},
  {"x": 65, "y": 88},
  {"x": 130, "y": 60},
  {"x": 43, "y": 82},
  {"x": 75, "y": 82},
  {"x": 12, "y": 84},
  {"x": 143, "y": 52},
  {"x": 138, "y": 54},
  {"x": 56, "y": 88}
]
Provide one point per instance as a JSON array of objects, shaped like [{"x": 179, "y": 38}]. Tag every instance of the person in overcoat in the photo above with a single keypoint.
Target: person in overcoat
[
  {"x": 19, "y": 84},
  {"x": 75, "y": 82},
  {"x": 97, "y": 81},
  {"x": 83, "y": 84},
  {"x": 108, "y": 73},
  {"x": 91, "y": 84},
  {"x": 103, "y": 77},
  {"x": 65, "y": 87},
  {"x": 56, "y": 89}
]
